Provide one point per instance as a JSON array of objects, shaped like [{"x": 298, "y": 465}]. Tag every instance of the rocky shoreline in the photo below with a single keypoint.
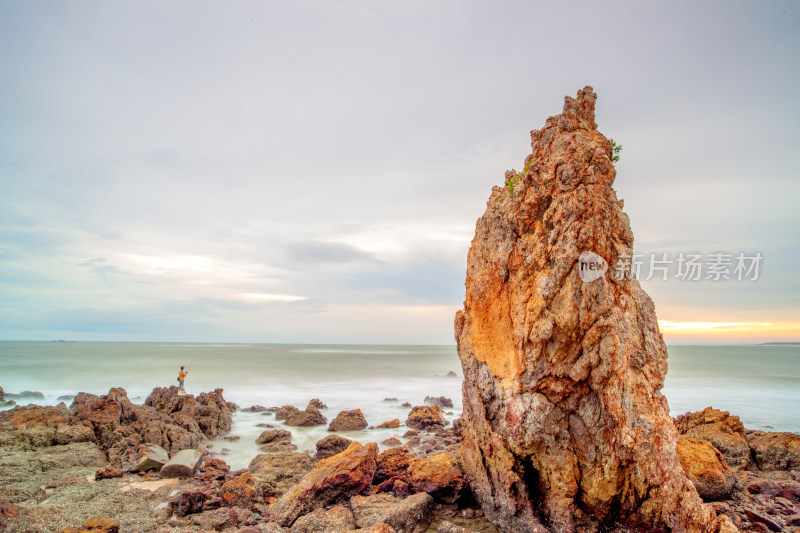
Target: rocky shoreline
[{"x": 107, "y": 464}]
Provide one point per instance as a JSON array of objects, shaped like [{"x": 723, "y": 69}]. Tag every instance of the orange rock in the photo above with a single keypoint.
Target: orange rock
[
  {"x": 393, "y": 464},
  {"x": 563, "y": 361},
  {"x": 107, "y": 472},
  {"x": 439, "y": 476},
  {"x": 241, "y": 490},
  {"x": 724, "y": 431},
  {"x": 348, "y": 421},
  {"x": 335, "y": 478},
  {"x": 706, "y": 468},
  {"x": 91, "y": 525},
  {"x": 390, "y": 424},
  {"x": 426, "y": 417}
]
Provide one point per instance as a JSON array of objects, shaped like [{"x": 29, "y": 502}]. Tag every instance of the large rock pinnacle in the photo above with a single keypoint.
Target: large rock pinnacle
[{"x": 565, "y": 427}]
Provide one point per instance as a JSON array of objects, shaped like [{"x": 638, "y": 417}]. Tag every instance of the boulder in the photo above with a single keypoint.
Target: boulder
[
  {"x": 241, "y": 490},
  {"x": 331, "y": 445},
  {"x": 275, "y": 436},
  {"x": 144, "y": 457},
  {"x": 352, "y": 420},
  {"x": 25, "y": 395},
  {"x": 334, "y": 520},
  {"x": 562, "y": 358},
  {"x": 410, "y": 515},
  {"x": 390, "y": 424},
  {"x": 724, "y": 431},
  {"x": 439, "y": 476},
  {"x": 284, "y": 412},
  {"x": 182, "y": 464},
  {"x": 330, "y": 481},
  {"x": 707, "y": 470},
  {"x": 775, "y": 451},
  {"x": 426, "y": 417},
  {"x": 316, "y": 402},
  {"x": 393, "y": 464},
  {"x": 392, "y": 441},
  {"x": 274, "y": 474},
  {"x": 255, "y": 409},
  {"x": 310, "y": 417},
  {"x": 441, "y": 401},
  {"x": 212, "y": 469}
]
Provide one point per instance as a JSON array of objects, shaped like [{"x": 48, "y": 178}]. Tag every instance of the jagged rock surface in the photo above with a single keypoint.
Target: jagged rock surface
[{"x": 564, "y": 424}]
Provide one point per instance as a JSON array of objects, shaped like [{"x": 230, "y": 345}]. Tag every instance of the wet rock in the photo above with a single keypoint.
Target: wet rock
[
  {"x": 182, "y": 464},
  {"x": 107, "y": 472},
  {"x": 706, "y": 468},
  {"x": 316, "y": 402},
  {"x": 724, "y": 431},
  {"x": 451, "y": 374},
  {"x": 255, "y": 409},
  {"x": 391, "y": 400},
  {"x": 348, "y": 421},
  {"x": 275, "y": 436},
  {"x": 25, "y": 395},
  {"x": 284, "y": 412},
  {"x": 390, "y": 424},
  {"x": 412, "y": 514},
  {"x": 310, "y": 417},
  {"x": 410, "y": 433},
  {"x": 331, "y": 445},
  {"x": 330, "y": 481},
  {"x": 66, "y": 398},
  {"x": 334, "y": 520},
  {"x": 426, "y": 417},
  {"x": 775, "y": 451},
  {"x": 276, "y": 473},
  {"x": 563, "y": 363},
  {"x": 143, "y": 458},
  {"x": 441, "y": 401},
  {"x": 392, "y": 441}
]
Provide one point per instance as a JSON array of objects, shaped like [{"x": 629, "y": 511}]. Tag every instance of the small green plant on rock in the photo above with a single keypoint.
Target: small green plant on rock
[
  {"x": 615, "y": 150},
  {"x": 511, "y": 183}
]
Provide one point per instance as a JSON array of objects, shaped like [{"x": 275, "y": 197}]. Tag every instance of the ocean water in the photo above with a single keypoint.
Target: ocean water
[{"x": 760, "y": 384}]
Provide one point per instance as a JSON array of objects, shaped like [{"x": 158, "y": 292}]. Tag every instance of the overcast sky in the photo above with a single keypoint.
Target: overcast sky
[{"x": 312, "y": 171}]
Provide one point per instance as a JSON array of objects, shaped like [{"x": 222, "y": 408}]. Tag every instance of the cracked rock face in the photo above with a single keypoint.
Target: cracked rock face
[{"x": 564, "y": 424}]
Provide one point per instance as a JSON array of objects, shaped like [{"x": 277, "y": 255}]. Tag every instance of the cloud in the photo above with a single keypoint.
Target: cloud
[{"x": 333, "y": 159}]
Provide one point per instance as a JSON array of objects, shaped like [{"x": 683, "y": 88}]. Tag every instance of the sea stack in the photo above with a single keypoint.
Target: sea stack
[{"x": 564, "y": 425}]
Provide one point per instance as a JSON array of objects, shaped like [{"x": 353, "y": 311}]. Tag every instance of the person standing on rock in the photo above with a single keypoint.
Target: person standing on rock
[{"x": 181, "y": 377}]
